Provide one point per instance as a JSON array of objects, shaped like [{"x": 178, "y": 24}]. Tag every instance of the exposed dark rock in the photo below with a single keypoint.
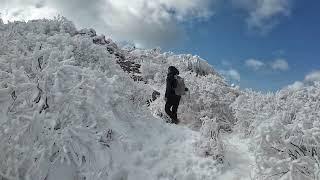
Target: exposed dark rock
[
  {"x": 127, "y": 64},
  {"x": 89, "y": 32},
  {"x": 155, "y": 95},
  {"x": 100, "y": 40},
  {"x": 137, "y": 78},
  {"x": 110, "y": 50}
]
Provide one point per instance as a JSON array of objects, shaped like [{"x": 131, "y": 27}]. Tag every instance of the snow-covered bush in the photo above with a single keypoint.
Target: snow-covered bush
[
  {"x": 285, "y": 131},
  {"x": 59, "y": 94},
  {"x": 208, "y": 92},
  {"x": 69, "y": 105},
  {"x": 210, "y": 143},
  {"x": 205, "y": 107}
]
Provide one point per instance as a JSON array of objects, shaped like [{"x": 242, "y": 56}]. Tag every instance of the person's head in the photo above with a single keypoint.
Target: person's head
[{"x": 173, "y": 70}]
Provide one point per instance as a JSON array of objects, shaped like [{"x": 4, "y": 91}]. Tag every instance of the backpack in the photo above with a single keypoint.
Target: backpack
[{"x": 180, "y": 89}]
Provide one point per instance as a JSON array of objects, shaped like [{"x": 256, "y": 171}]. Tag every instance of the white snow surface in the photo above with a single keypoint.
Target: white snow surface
[
  {"x": 69, "y": 111},
  {"x": 239, "y": 160}
]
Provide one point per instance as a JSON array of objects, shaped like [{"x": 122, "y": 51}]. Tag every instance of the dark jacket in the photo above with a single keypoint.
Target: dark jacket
[{"x": 171, "y": 81}]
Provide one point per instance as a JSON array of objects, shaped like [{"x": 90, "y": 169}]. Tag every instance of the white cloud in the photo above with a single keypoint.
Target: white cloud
[
  {"x": 313, "y": 76},
  {"x": 309, "y": 79},
  {"x": 15, "y": 10},
  {"x": 277, "y": 64},
  {"x": 296, "y": 85},
  {"x": 280, "y": 64},
  {"x": 146, "y": 22},
  {"x": 231, "y": 74},
  {"x": 263, "y": 15},
  {"x": 254, "y": 64}
]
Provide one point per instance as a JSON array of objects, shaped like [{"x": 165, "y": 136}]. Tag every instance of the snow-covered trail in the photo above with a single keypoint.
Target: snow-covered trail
[
  {"x": 239, "y": 161},
  {"x": 169, "y": 154}
]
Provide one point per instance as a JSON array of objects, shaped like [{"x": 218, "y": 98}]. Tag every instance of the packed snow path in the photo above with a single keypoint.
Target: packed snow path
[
  {"x": 161, "y": 151},
  {"x": 239, "y": 161},
  {"x": 171, "y": 155}
]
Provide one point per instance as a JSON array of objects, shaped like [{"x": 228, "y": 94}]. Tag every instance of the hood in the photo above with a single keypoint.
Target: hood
[{"x": 173, "y": 70}]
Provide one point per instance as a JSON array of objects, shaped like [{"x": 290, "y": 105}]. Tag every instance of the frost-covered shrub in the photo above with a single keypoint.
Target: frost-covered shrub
[
  {"x": 61, "y": 90},
  {"x": 205, "y": 107},
  {"x": 192, "y": 63},
  {"x": 208, "y": 92},
  {"x": 153, "y": 72},
  {"x": 246, "y": 107},
  {"x": 59, "y": 93},
  {"x": 210, "y": 143},
  {"x": 285, "y": 126}
]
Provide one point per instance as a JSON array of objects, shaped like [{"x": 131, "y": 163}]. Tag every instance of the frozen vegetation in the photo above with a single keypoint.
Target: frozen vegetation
[{"x": 75, "y": 105}]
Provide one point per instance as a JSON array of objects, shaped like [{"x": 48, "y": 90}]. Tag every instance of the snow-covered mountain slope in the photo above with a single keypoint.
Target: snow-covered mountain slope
[
  {"x": 68, "y": 110},
  {"x": 75, "y": 105},
  {"x": 208, "y": 90}
]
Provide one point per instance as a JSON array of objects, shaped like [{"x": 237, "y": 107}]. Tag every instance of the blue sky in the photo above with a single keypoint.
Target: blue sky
[
  {"x": 260, "y": 44},
  {"x": 226, "y": 43}
]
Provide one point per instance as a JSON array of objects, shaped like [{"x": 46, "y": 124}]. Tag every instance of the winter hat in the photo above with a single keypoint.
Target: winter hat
[{"x": 173, "y": 70}]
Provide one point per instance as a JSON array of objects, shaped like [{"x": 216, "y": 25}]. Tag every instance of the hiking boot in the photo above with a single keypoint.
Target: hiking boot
[{"x": 175, "y": 121}]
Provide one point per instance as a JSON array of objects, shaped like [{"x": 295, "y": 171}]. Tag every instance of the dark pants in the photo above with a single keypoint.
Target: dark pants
[{"x": 171, "y": 107}]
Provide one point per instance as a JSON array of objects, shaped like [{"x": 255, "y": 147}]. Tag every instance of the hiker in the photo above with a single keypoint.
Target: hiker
[{"x": 175, "y": 88}]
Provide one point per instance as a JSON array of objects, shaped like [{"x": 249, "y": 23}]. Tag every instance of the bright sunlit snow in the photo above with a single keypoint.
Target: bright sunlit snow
[{"x": 75, "y": 105}]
